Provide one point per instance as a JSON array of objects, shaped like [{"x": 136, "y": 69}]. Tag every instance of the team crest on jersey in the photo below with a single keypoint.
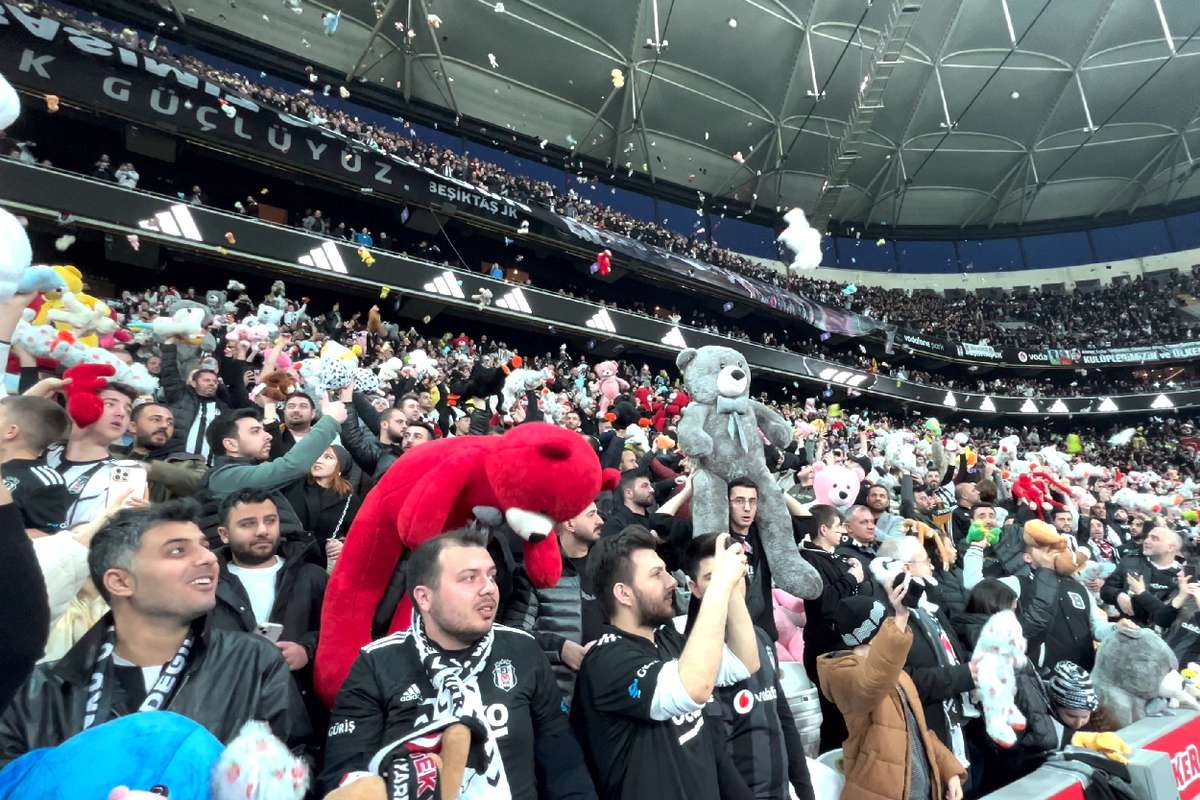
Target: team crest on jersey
[
  {"x": 504, "y": 675},
  {"x": 11, "y": 483},
  {"x": 1077, "y": 601}
]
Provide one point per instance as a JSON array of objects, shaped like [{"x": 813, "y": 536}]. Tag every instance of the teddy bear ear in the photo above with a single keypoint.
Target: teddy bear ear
[{"x": 685, "y": 357}]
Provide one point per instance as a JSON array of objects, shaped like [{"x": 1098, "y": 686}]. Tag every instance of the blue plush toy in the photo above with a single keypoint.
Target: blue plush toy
[{"x": 140, "y": 751}]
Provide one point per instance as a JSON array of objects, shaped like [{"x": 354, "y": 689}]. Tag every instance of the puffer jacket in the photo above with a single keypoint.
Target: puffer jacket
[
  {"x": 875, "y": 757},
  {"x": 230, "y": 678},
  {"x": 554, "y": 615}
]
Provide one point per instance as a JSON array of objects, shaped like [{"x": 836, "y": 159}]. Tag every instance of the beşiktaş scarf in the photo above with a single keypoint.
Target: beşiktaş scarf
[
  {"x": 456, "y": 681},
  {"x": 959, "y": 708},
  {"x": 99, "y": 699}
]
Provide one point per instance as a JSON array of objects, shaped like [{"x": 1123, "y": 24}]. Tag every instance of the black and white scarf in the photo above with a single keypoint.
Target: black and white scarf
[
  {"x": 456, "y": 681},
  {"x": 99, "y": 699}
]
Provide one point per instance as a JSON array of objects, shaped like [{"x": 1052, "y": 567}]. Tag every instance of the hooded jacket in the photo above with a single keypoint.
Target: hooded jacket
[
  {"x": 230, "y": 678},
  {"x": 867, "y": 690}
]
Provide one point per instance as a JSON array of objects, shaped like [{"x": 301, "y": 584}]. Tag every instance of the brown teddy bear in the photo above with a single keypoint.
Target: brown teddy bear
[{"x": 1068, "y": 558}]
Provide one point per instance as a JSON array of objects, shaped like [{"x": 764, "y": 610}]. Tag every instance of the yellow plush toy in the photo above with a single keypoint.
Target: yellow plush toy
[{"x": 1107, "y": 744}]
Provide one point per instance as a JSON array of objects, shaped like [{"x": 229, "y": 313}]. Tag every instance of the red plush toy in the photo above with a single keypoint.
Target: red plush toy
[
  {"x": 1033, "y": 488},
  {"x": 83, "y": 392},
  {"x": 536, "y": 475}
]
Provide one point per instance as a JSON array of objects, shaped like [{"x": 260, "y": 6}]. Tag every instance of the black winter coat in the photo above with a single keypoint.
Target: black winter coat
[
  {"x": 322, "y": 512},
  {"x": 183, "y": 401},
  {"x": 836, "y": 585},
  {"x": 936, "y": 683},
  {"x": 231, "y": 678},
  {"x": 1160, "y": 586}
]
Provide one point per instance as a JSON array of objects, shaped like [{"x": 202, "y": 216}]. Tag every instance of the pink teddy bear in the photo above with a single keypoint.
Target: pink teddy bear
[
  {"x": 999, "y": 653},
  {"x": 836, "y": 486},
  {"x": 608, "y": 385}
]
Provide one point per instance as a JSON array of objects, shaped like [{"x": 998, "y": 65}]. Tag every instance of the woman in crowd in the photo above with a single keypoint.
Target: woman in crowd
[{"x": 326, "y": 503}]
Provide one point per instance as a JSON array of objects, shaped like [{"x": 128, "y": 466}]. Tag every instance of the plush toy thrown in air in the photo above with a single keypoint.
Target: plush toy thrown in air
[
  {"x": 1033, "y": 488},
  {"x": 835, "y": 486},
  {"x": 520, "y": 381},
  {"x": 978, "y": 532},
  {"x": 999, "y": 654},
  {"x": 1108, "y": 744},
  {"x": 124, "y": 757},
  {"x": 83, "y": 392},
  {"x": 186, "y": 324},
  {"x": 1068, "y": 557},
  {"x": 608, "y": 385},
  {"x": 1130, "y": 667},
  {"x": 720, "y": 433},
  {"x": 534, "y": 476}
]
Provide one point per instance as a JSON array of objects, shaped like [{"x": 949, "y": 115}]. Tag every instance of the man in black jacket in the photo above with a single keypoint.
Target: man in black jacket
[
  {"x": 154, "y": 651},
  {"x": 198, "y": 401},
  {"x": 374, "y": 455},
  {"x": 860, "y": 545},
  {"x": 456, "y": 664},
  {"x": 841, "y": 577},
  {"x": 1158, "y": 566},
  {"x": 299, "y": 414},
  {"x": 635, "y": 496},
  {"x": 565, "y": 618}
]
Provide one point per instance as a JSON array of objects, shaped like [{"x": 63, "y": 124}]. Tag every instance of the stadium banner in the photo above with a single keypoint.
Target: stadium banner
[
  {"x": 45, "y": 56},
  {"x": 1050, "y": 357},
  {"x": 137, "y": 216}
]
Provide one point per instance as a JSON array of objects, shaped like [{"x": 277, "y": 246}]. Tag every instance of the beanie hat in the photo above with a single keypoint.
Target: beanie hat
[
  {"x": 343, "y": 458},
  {"x": 857, "y": 620},
  {"x": 1070, "y": 686}
]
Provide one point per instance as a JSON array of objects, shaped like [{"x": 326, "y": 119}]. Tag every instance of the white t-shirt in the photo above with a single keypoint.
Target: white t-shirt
[
  {"x": 149, "y": 674},
  {"x": 260, "y": 585}
]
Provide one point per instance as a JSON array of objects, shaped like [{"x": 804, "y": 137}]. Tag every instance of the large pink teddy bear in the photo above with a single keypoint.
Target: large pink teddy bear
[
  {"x": 608, "y": 385},
  {"x": 999, "y": 653},
  {"x": 836, "y": 486}
]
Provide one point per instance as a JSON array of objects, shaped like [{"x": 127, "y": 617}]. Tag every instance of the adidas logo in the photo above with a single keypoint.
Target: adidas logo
[
  {"x": 1029, "y": 407},
  {"x": 515, "y": 301},
  {"x": 410, "y": 694},
  {"x": 175, "y": 221},
  {"x": 446, "y": 285},
  {"x": 674, "y": 338},
  {"x": 1162, "y": 401},
  {"x": 325, "y": 257},
  {"x": 601, "y": 321}
]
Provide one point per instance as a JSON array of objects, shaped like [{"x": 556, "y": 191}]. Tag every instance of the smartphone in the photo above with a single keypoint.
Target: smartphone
[
  {"x": 129, "y": 475},
  {"x": 271, "y": 631}
]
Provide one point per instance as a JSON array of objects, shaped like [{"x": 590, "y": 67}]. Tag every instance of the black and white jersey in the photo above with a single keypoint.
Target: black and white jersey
[
  {"x": 39, "y": 492},
  {"x": 634, "y": 753},
  {"x": 88, "y": 483},
  {"x": 388, "y": 695}
]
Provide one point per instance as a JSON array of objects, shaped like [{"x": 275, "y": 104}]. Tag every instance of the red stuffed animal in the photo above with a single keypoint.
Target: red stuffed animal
[
  {"x": 1033, "y": 488},
  {"x": 536, "y": 475},
  {"x": 83, "y": 392}
]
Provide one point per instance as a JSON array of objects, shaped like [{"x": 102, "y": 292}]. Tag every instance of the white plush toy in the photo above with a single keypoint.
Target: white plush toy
[
  {"x": 186, "y": 323},
  {"x": 1176, "y": 689},
  {"x": 998, "y": 655},
  {"x": 1007, "y": 449},
  {"x": 520, "y": 381}
]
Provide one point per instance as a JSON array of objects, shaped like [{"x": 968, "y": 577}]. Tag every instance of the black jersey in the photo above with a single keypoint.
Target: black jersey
[
  {"x": 634, "y": 755},
  {"x": 39, "y": 492},
  {"x": 388, "y": 695}
]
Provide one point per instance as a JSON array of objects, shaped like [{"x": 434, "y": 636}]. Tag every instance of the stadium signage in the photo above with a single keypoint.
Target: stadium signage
[{"x": 43, "y": 54}]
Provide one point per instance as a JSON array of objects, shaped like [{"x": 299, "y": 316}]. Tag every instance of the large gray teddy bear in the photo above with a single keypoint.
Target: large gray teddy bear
[
  {"x": 719, "y": 432},
  {"x": 1129, "y": 672}
]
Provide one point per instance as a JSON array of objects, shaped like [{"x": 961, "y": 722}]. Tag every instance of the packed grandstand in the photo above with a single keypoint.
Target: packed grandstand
[{"x": 476, "y": 446}]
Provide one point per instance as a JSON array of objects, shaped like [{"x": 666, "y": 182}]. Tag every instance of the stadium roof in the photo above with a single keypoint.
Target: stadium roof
[{"x": 921, "y": 113}]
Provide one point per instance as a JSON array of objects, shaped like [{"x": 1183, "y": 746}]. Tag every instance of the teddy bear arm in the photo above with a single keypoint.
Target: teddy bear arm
[
  {"x": 778, "y": 432},
  {"x": 693, "y": 439}
]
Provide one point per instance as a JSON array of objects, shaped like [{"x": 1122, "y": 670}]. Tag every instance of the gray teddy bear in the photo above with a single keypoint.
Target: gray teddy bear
[
  {"x": 1130, "y": 667},
  {"x": 719, "y": 431}
]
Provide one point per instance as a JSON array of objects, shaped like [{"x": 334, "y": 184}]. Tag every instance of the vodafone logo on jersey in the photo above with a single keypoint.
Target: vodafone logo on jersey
[{"x": 743, "y": 701}]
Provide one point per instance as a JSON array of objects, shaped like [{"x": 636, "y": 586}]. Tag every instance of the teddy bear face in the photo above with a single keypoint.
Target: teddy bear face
[
  {"x": 836, "y": 486},
  {"x": 605, "y": 369},
  {"x": 714, "y": 371}
]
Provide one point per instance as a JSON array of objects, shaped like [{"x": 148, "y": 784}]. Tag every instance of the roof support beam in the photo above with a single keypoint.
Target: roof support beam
[
  {"x": 997, "y": 191},
  {"x": 375, "y": 29},
  {"x": 1144, "y": 176},
  {"x": 437, "y": 48},
  {"x": 596, "y": 119},
  {"x": 1028, "y": 168}
]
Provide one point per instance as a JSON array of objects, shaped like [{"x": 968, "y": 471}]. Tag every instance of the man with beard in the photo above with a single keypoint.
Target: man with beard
[
  {"x": 194, "y": 403},
  {"x": 374, "y": 455},
  {"x": 879, "y": 501},
  {"x": 1143, "y": 584},
  {"x": 168, "y": 474},
  {"x": 641, "y": 697},
  {"x": 265, "y": 582},
  {"x": 455, "y": 665},
  {"x": 918, "y": 502},
  {"x": 244, "y": 448},
  {"x": 299, "y": 412},
  {"x": 153, "y": 650},
  {"x": 565, "y": 618},
  {"x": 636, "y": 494}
]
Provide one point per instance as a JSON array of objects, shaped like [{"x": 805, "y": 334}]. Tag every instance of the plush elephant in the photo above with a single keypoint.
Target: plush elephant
[{"x": 719, "y": 431}]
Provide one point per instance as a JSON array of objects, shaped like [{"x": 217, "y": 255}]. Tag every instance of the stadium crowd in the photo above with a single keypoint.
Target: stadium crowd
[
  {"x": 199, "y": 519},
  {"x": 1132, "y": 313}
]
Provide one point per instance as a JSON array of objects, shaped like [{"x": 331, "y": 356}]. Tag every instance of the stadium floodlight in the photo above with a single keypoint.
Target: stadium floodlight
[
  {"x": 515, "y": 301},
  {"x": 601, "y": 321},
  {"x": 1162, "y": 401},
  {"x": 674, "y": 338},
  {"x": 446, "y": 285},
  {"x": 326, "y": 257},
  {"x": 1029, "y": 407},
  {"x": 950, "y": 401},
  {"x": 1107, "y": 405},
  {"x": 175, "y": 221},
  {"x": 1059, "y": 407},
  {"x": 987, "y": 405}
]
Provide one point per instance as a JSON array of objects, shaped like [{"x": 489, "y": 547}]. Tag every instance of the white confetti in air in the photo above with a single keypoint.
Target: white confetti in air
[
  {"x": 498, "y": 8},
  {"x": 344, "y": 92},
  {"x": 435, "y": 21},
  {"x": 802, "y": 239},
  {"x": 739, "y": 158},
  {"x": 492, "y": 61},
  {"x": 542, "y": 144},
  {"x": 732, "y": 22}
]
